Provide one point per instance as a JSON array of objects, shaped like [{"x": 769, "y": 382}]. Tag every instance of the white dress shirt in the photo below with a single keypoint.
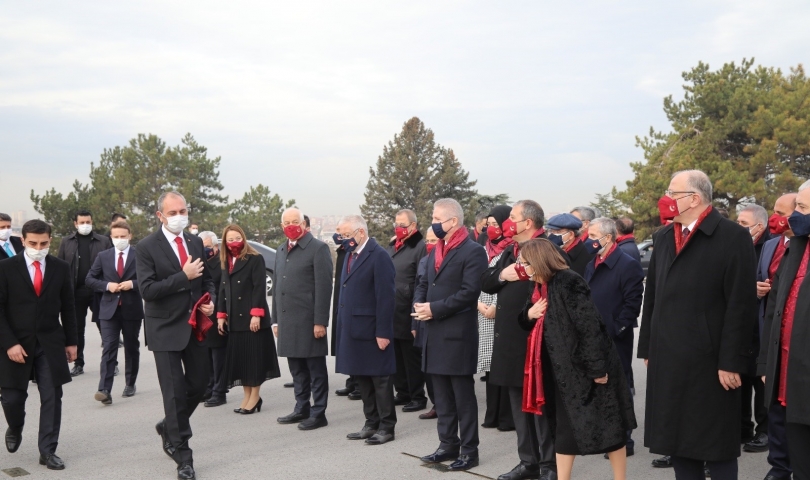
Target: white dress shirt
[
  {"x": 170, "y": 237},
  {"x": 32, "y": 270},
  {"x": 126, "y": 254},
  {"x": 3, "y": 244}
]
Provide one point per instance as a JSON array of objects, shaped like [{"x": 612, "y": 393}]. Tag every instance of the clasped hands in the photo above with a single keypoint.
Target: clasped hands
[{"x": 113, "y": 287}]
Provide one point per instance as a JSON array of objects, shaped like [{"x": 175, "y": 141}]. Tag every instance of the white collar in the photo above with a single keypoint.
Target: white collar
[{"x": 360, "y": 248}]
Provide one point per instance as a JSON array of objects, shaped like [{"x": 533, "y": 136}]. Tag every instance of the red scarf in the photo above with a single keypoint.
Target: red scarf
[
  {"x": 679, "y": 240},
  {"x": 778, "y": 254},
  {"x": 622, "y": 238},
  {"x": 200, "y": 323},
  {"x": 495, "y": 249},
  {"x": 533, "y": 395},
  {"x": 787, "y": 324},
  {"x": 572, "y": 245},
  {"x": 442, "y": 248},
  {"x": 535, "y": 235},
  {"x": 600, "y": 260}
]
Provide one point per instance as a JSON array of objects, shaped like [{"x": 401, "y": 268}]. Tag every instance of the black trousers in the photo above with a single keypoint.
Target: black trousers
[
  {"x": 182, "y": 377},
  {"x": 798, "y": 437},
  {"x": 778, "y": 456},
  {"x": 409, "y": 380},
  {"x": 689, "y": 469},
  {"x": 535, "y": 439},
  {"x": 499, "y": 408},
  {"x": 111, "y": 331},
  {"x": 457, "y": 409},
  {"x": 351, "y": 382},
  {"x": 50, "y": 409},
  {"x": 753, "y": 405},
  {"x": 624, "y": 347},
  {"x": 429, "y": 388},
  {"x": 217, "y": 383},
  {"x": 378, "y": 402},
  {"x": 310, "y": 380},
  {"x": 84, "y": 301}
]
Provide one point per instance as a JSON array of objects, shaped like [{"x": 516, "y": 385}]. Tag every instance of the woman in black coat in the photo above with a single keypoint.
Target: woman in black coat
[
  {"x": 571, "y": 364},
  {"x": 242, "y": 306}
]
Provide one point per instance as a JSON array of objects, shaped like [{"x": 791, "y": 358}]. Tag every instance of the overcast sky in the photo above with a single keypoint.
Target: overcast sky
[{"x": 537, "y": 100}]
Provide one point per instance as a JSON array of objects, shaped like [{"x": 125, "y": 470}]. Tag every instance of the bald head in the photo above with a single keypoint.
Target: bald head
[{"x": 785, "y": 204}]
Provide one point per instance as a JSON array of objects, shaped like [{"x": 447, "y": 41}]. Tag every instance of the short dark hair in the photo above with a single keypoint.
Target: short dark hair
[
  {"x": 722, "y": 211},
  {"x": 35, "y": 226},
  {"x": 625, "y": 225},
  {"x": 533, "y": 211},
  {"x": 81, "y": 213},
  {"x": 116, "y": 216},
  {"x": 306, "y": 221},
  {"x": 481, "y": 216},
  {"x": 5, "y": 217}
]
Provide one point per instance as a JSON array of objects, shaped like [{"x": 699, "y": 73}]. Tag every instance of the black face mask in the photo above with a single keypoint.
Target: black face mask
[{"x": 209, "y": 252}]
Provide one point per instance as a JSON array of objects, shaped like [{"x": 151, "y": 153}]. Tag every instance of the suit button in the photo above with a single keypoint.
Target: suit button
[
  {"x": 562, "y": 384},
  {"x": 285, "y": 276},
  {"x": 434, "y": 284},
  {"x": 557, "y": 365},
  {"x": 499, "y": 307},
  {"x": 238, "y": 281},
  {"x": 240, "y": 314},
  {"x": 240, "y": 298},
  {"x": 284, "y": 311},
  {"x": 189, "y": 310},
  {"x": 344, "y": 285},
  {"x": 497, "y": 335}
]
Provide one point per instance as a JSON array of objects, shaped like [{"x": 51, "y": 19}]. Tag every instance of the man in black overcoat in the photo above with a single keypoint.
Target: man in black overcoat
[
  {"x": 698, "y": 315},
  {"x": 217, "y": 389},
  {"x": 350, "y": 389}
]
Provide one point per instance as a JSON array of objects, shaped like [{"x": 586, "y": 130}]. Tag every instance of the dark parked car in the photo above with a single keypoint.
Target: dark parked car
[
  {"x": 645, "y": 249},
  {"x": 269, "y": 255}
]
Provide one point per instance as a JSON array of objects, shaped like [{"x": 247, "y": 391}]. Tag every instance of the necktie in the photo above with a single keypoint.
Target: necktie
[
  {"x": 352, "y": 258},
  {"x": 9, "y": 251},
  {"x": 121, "y": 264},
  {"x": 181, "y": 250},
  {"x": 685, "y": 234},
  {"x": 37, "y": 278}
]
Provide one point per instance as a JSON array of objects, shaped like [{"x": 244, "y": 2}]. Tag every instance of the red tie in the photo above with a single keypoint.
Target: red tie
[
  {"x": 121, "y": 265},
  {"x": 37, "y": 278},
  {"x": 181, "y": 250},
  {"x": 352, "y": 258}
]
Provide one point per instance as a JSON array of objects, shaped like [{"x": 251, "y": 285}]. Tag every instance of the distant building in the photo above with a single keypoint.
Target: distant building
[{"x": 18, "y": 218}]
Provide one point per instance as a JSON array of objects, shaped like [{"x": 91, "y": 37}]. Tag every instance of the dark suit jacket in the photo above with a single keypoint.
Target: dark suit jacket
[
  {"x": 451, "y": 336},
  {"x": 104, "y": 271},
  {"x": 16, "y": 245},
  {"x": 243, "y": 294},
  {"x": 168, "y": 294},
  {"x": 70, "y": 246},
  {"x": 765, "y": 257},
  {"x": 617, "y": 288},
  {"x": 29, "y": 320},
  {"x": 630, "y": 248},
  {"x": 365, "y": 313},
  {"x": 340, "y": 256},
  {"x": 405, "y": 263},
  {"x": 214, "y": 339}
]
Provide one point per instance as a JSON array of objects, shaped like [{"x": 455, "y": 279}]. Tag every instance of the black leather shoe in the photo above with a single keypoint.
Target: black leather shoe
[
  {"x": 343, "y": 392},
  {"x": 104, "y": 397},
  {"x": 292, "y": 418},
  {"x": 414, "y": 407},
  {"x": 13, "y": 439},
  {"x": 77, "y": 370},
  {"x": 507, "y": 428},
  {"x": 382, "y": 436},
  {"x": 51, "y": 461},
  {"x": 129, "y": 391},
  {"x": 440, "y": 456},
  {"x": 547, "y": 474},
  {"x": 208, "y": 394},
  {"x": 663, "y": 462},
  {"x": 429, "y": 415},
  {"x": 185, "y": 471},
  {"x": 313, "y": 423},
  {"x": 630, "y": 453},
  {"x": 289, "y": 385},
  {"x": 364, "y": 433},
  {"x": 463, "y": 463},
  {"x": 355, "y": 395},
  {"x": 401, "y": 400},
  {"x": 771, "y": 477},
  {"x": 758, "y": 444},
  {"x": 215, "y": 401},
  {"x": 521, "y": 472},
  {"x": 168, "y": 449}
]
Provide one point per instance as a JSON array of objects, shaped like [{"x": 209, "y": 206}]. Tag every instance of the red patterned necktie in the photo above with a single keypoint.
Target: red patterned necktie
[
  {"x": 181, "y": 250},
  {"x": 121, "y": 265},
  {"x": 37, "y": 278},
  {"x": 352, "y": 258}
]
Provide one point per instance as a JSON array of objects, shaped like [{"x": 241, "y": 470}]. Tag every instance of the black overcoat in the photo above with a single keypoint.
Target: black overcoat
[
  {"x": 214, "y": 339},
  {"x": 243, "y": 293},
  {"x": 341, "y": 256},
  {"x": 580, "y": 258},
  {"x": 28, "y": 320},
  {"x": 698, "y": 316},
  {"x": 405, "y": 262},
  {"x": 580, "y": 350}
]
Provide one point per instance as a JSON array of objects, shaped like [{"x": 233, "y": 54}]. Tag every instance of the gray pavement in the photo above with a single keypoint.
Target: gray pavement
[{"x": 119, "y": 441}]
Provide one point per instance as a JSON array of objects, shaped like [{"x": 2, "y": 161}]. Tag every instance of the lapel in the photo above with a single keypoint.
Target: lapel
[
  {"x": 46, "y": 277},
  {"x": 448, "y": 257},
  {"x": 794, "y": 260},
  {"x": 130, "y": 260},
  {"x": 238, "y": 265},
  {"x": 167, "y": 249},
  {"x": 707, "y": 226},
  {"x": 23, "y": 269},
  {"x": 371, "y": 244},
  {"x": 193, "y": 252}
]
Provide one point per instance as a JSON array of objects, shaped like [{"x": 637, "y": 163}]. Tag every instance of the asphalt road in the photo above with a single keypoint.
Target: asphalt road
[{"x": 119, "y": 441}]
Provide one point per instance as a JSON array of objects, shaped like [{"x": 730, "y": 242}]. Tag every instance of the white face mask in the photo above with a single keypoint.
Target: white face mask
[
  {"x": 176, "y": 224},
  {"x": 36, "y": 255},
  {"x": 194, "y": 231},
  {"x": 121, "y": 244},
  {"x": 5, "y": 234},
  {"x": 84, "y": 229}
]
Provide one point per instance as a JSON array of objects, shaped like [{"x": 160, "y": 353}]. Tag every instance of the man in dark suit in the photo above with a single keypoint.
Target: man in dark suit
[
  {"x": 217, "y": 389},
  {"x": 302, "y": 290},
  {"x": 35, "y": 290},
  {"x": 172, "y": 277},
  {"x": 366, "y": 329},
  {"x": 9, "y": 245},
  {"x": 406, "y": 250},
  {"x": 80, "y": 250},
  {"x": 350, "y": 390},
  {"x": 699, "y": 312},
  {"x": 626, "y": 241},
  {"x": 446, "y": 298},
  {"x": 121, "y": 309}
]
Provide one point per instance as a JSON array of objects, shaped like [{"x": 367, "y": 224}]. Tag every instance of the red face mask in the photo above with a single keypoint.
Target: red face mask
[
  {"x": 667, "y": 209},
  {"x": 520, "y": 269},
  {"x": 401, "y": 233},
  {"x": 293, "y": 232},
  {"x": 494, "y": 233},
  {"x": 778, "y": 224},
  {"x": 235, "y": 247},
  {"x": 509, "y": 228},
  {"x": 430, "y": 247}
]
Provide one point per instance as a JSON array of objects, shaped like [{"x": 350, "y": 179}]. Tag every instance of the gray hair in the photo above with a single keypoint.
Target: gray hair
[
  {"x": 699, "y": 182},
  {"x": 804, "y": 185},
  {"x": 452, "y": 207},
  {"x": 586, "y": 214},
  {"x": 409, "y": 213},
  {"x": 171, "y": 193},
  {"x": 5, "y": 217},
  {"x": 300, "y": 213},
  {"x": 532, "y": 211},
  {"x": 606, "y": 226},
  {"x": 209, "y": 234},
  {"x": 355, "y": 221},
  {"x": 759, "y": 213}
]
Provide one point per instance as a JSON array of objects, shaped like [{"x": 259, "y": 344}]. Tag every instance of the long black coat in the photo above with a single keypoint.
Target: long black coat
[
  {"x": 405, "y": 262},
  {"x": 243, "y": 294},
  {"x": 28, "y": 320},
  {"x": 798, "y": 387},
  {"x": 341, "y": 256},
  {"x": 580, "y": 258},
  {"x": 580, "y": 350},
  {"x": 214, "y": 339},
  {"x": 698, "y": 316},
  {"x": 451, "y": 336}
]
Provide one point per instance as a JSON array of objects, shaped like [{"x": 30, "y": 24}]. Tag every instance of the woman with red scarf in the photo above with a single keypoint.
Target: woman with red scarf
[
  {"x": 244, "y": 315},
  {"x": 571, "y": 364}
]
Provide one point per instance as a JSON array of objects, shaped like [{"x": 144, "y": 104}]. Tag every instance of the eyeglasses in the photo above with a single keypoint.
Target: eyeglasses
[
  {"x": 347, "y": 236},
  {"x": 432, "y": 242},
  {"x": 520, "y": 261},
  {"x": 399, "y": 225},
  {"x": 670, "y": 193}
]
